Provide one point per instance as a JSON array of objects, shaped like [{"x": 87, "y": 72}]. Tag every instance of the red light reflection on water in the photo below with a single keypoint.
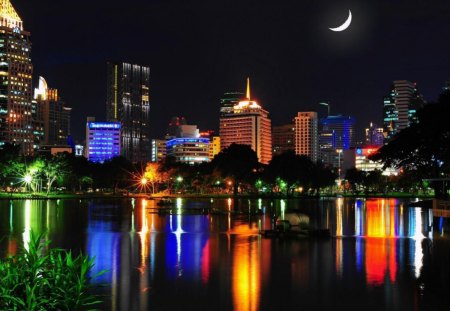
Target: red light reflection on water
[{"x": 380, "y": 250}]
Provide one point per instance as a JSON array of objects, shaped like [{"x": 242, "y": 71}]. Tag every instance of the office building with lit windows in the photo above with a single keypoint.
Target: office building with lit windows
[
  {"x": 159, "y": 150},
  {"x": 189, "y": 150},
  {"x": 16, "y": 70},
  {"x": 336, "y": 135},
  {"x": 374, "y": 135},
  {"x": 102, "y": 140},
  {"x": 400, "y": 107},
  {"x": 363, "y": 163},
  {"x": 283, "y": 138},
  {"x": 228, "y": 101},
  {"x": 247, "y": 124},
  {"x": 188, "y": 146},
  {"x": 128, "y": 102},
  {"x": 214, "y": 147},
  {"x": 307, "y": 134},
  {"x": 214, "y": 142},
  {"x": 52, "y": 114}
]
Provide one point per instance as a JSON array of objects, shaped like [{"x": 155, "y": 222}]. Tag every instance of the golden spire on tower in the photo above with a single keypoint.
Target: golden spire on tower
[
  {"x": 248, "y": 88},
  {"x": 8, "y": 16}
]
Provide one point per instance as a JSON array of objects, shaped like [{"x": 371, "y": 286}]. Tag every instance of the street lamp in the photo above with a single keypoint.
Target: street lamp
[
  {"x": 328, "y": 107},
  {"x": 27, "y": 179},
  {"x": 339, "y": 151}
]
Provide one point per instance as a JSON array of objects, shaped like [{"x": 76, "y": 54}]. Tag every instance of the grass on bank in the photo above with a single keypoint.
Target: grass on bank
[{"x": 36, "y": 279}]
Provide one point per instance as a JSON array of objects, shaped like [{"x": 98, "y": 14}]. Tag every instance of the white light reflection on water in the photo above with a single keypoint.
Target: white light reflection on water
[
  {"x": 27, "y": 225},
  {"x": 418, "y": 238}
]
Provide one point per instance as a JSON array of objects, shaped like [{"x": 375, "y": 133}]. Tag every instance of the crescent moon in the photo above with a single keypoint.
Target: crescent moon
[{"x": 344, "y": 25}]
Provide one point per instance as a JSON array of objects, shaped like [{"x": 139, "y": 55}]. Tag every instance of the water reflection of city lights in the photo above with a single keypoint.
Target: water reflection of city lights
[
  {"x": 418, "y": 238},
  {"x": 246, "y": 275},
  {"x": 11, "y": 227},
  {"x": 27, "y": 225}
]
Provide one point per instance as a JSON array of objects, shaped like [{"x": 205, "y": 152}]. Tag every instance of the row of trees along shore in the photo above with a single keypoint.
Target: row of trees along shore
[
  {"x": 421, "y": 152},
  {"x": 235, "y": 169}
]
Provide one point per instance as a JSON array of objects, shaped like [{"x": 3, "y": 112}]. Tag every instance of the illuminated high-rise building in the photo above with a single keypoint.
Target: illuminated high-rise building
[
  {"x": 307, "y": 134},
  {"x": 52, "y": 113},
  {"x": 374, "y": 135},
  {"x": 337, "y": 134},
  {"x": 228, "y": 101},
  {"x": 400, "y": 107},
  {"x": 247, "y": 124},
  {"x": 16, "y": 124},
  {"x": 283, "y": 138},
  {"x": 128, "y": 102}
]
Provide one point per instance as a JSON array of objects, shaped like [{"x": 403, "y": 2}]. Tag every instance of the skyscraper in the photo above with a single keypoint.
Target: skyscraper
[
  {"x": 16, "y": 124},
  {"x": 228, "y": 101},
  {"x": 283, "y": 138},
  {"x": 307, "y": 135},
  {"x": 400, "y": 107},
  {"x": 52, "y": 113},
  {"x": 337, "y": 134},
  {"x": 128, "y": 102},
  {"x": 248, "y": 124}
]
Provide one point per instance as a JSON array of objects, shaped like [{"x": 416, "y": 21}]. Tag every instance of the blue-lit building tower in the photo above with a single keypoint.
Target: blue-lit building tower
[
  {"x": 337, "y": 134},
  {"x": 102, "y": 140}
]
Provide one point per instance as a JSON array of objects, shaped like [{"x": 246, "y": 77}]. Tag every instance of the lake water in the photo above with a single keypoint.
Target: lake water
[{"x": 382, "y": 254}]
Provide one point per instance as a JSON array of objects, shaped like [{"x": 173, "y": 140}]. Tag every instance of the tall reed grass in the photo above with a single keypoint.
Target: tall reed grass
[{"x": 40, "y": 279}]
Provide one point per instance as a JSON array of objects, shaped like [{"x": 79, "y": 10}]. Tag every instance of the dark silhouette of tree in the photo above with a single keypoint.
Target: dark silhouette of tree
[
  {"x": 422, "y": 148},
  {"x": 238, "y": 162},
  {"x": 292, "y": 169},
  {"x": 117, "y": 172},
  {"x": 322, "y": 177},
  {"x": 355, "y": 178}
]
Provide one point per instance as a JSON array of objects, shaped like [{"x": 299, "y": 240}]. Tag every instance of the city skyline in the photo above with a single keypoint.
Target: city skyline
[{"x": 199, "y": 51}]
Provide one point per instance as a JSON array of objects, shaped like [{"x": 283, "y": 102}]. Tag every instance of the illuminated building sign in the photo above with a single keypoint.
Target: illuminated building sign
[
  {"x": 178, "y": 141},
  {"x": 365, "y": 151},
  {"x": 102, "y": 141},
  {"x": 104, "y": 125}
]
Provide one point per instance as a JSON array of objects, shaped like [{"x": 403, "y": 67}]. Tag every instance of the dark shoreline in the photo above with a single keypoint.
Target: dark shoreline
[{"x": 85, "y": 196}]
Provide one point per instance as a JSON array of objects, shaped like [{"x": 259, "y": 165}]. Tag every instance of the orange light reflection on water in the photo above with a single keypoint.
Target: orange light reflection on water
[
  {"x": 246, "y": 275},
  {"x": 380, "y": 253}
]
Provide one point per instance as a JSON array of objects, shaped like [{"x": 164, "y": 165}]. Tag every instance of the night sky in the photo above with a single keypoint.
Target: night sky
[{"x": 197, "y": 50}]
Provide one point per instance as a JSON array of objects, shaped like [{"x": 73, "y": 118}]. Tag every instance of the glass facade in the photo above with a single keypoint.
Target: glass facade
[
  {"x": 102, "y": 141},
  {"x": 16, "y": 125},
  {"x": 400, "y": 107},
  {"x": 128, "y": 102}
]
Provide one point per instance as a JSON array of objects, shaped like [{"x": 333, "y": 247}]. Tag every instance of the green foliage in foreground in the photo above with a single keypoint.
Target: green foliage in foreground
[{"x": 57, "y": 280}]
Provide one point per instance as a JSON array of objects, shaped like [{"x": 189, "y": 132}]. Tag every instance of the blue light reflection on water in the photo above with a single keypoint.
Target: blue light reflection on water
[{"x": 381, "y": 244}]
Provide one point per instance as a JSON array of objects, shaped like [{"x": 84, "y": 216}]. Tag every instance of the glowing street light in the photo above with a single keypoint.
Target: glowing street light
[
  {"x": 27, "y": 179},
  {"x": 339, "y": 151},
  {"x": 179, "y": 179},
  {"x": 144, "y": 181}
]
